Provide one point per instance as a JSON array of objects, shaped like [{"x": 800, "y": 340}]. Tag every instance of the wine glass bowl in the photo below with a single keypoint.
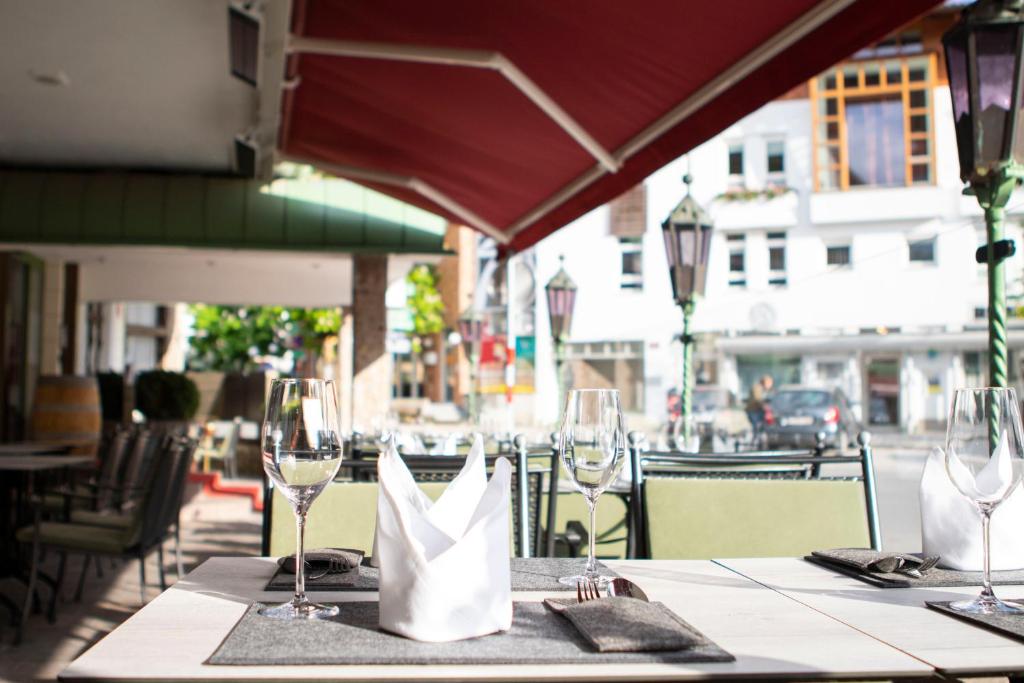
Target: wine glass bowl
[
  {"x": 302, "y": 450},
  {"x": 985, "y": 463},
  {"x": 592, "y": 447}
]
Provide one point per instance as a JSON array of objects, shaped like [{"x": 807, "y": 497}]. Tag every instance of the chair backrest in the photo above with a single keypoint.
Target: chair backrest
[
  {"x": 344, "y": 515},
  {"x": 163, "y": 490},
  {"x": 355, "y": 520},
  {"x": 697, "y": 517},
  {"x": 113, "y": 468},
  {"x": 140, "y": 459}
]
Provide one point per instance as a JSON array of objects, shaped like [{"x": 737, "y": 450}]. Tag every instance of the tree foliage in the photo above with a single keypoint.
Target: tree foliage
[
  {"x": 424, "y": 301},
  {"x": 230, "y": 338}
]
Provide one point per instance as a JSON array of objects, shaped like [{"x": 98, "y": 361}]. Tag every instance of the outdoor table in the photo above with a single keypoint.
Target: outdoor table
[
  {"x": 770, "y": 634},
  {"x": 896, "y": 616},
  {"x": 35, "y": 448}
]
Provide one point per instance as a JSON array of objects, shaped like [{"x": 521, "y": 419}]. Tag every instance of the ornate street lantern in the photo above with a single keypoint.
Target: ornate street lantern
[
  {"x": 687, "y": 236},
  {"x": 471, "y": 329},
  {"x": 983, "y": 60},
  {"x": 561, "y": 295}
]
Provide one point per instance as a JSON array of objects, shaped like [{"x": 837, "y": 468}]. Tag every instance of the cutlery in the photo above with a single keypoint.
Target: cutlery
[
  {"x": 916, "y": 571},
  {"x": 627, "y": 589},
  {"x": 587, "y": 590},
  {"x": 335, "y": 565}
]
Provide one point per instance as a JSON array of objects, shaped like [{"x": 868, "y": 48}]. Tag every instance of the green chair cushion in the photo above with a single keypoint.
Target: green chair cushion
[
  {"x": 612, "y": 523},
  {"x": 103, "y": 519},
  {"x": 692, "y": 518},
  {"x": 76, "y": 537},
  {"x": 344, "y": 515}
]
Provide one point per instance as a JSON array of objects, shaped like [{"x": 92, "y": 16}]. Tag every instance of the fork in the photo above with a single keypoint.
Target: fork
[
  {"x": 334, "y": 565},
  {"x": 587, "y": 590}
]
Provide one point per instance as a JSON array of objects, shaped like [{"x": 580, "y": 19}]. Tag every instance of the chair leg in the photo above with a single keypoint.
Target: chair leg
[
  {"x": 160, "y": 566},
  {"x": 81, "y": 577},
  {"x": 142, "y": 578},
  {"x": 177, "y": 549},
  {"x": 51, "y": 611},
  {"x": 33, "y": 573}
]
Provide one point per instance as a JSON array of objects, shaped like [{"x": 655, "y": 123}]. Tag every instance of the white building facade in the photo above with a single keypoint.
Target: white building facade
[{"x": 843, "y": 255}]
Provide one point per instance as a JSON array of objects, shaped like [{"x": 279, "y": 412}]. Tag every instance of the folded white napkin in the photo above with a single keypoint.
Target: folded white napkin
[
  {"x": 951, "y": 524},
  {"x": 447, "y": 446},
  {"x": 444, "y": 565}
]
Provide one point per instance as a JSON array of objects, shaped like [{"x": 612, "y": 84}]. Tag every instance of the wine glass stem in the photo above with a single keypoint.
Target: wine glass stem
[
  {"x": 591, "y": 570},
  {"x": 300, "y": 555},
  {"x": 986, "y": 581}
]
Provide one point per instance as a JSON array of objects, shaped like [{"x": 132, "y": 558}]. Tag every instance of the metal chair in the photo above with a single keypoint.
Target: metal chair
[
  {"x": 686, "y": 495},
  {"x": 135, "y": 535}
]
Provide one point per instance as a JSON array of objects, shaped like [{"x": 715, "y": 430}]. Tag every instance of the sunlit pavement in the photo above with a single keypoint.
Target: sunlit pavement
[{"x": 221, "y": 525}]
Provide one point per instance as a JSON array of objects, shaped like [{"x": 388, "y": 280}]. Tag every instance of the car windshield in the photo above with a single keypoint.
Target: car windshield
[{"x": 787, "y": 401}]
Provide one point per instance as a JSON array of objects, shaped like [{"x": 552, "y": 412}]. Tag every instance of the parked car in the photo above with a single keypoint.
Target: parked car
[{"x": 795, "y": 415}]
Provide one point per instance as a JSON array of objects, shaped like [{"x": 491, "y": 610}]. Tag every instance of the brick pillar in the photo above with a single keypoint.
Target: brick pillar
[
  {"x": 371, "y": 367},
  {"x": 458, "y": 276}
]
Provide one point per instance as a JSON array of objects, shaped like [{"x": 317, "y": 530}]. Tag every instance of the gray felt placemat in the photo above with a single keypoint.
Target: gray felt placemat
[
  {"x": 538, "y": 636},
  {"x": 528, "y": 574},
  {"x": 933, "y": 578},
  {"x": 1011, "y": 625}
]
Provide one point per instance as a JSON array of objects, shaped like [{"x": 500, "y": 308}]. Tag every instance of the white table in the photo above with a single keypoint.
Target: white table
[
  {"x": 896, "y": 616},
  {"x": 769, "y": 633}
]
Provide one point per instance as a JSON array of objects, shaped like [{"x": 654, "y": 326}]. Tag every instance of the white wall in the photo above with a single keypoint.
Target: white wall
[{"x": 881, "y": 289}]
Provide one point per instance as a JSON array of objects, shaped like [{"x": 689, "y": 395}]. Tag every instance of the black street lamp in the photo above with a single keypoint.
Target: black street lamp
[
  {"x": 561, "y": 295},
  {"x": 471, "y": 330},
  {"x": 687, "y": 235},
  {"x": 983, "y": 60}
]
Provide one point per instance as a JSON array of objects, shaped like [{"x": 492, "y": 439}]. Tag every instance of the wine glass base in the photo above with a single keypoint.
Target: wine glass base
[
  {"x": 985, "y": 604},
  {"x": 299, "y": 610},
  {"x": 601, "y": 581}
]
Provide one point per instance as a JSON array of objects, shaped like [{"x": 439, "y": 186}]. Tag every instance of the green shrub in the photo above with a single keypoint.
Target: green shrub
[{"x": 164, "y": 395}]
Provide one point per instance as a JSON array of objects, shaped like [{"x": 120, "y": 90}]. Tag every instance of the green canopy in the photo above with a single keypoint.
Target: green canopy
[{"x": 314, "y": 214}]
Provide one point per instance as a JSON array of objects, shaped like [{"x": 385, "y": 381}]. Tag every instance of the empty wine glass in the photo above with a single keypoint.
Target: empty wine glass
[
  {"x": 985, "y": 462},
  {"x": 302, "y": 448},
  {"x": 592, "y": 445}
]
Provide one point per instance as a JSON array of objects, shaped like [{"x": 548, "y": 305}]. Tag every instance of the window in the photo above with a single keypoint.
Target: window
[
  {"x": 736, "y": 164},
  {"x": 737, "y": 260},
  {"x": 922, "y": 251},
  {"x": 872, "y": 122},
  {"x": 632, "y": 249},
  {"x": 838, "y": 255},
  {"x": 776, "y": 151},
  {"x": 776, "y": 258}
]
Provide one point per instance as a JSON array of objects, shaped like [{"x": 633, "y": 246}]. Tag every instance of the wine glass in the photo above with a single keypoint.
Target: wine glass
[
  {"x": 985, "y": 462},
  {"x": 592, "y": 445},
  {"x": 302, "y": 449}
]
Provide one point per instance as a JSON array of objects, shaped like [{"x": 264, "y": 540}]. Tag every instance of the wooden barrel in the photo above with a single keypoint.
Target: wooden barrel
[{"x": 66, "y": 408}]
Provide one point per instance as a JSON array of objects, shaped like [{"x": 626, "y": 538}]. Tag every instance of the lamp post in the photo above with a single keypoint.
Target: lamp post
[
  {"x": 561, "y": 296},
  {"x": 471, "y": 327},
  {"x": 687, "y": 235},
  {"x": 983, "y": 60}
]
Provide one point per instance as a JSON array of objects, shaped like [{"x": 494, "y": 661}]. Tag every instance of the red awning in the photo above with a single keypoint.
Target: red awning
[{"x": 517, "y": 117}]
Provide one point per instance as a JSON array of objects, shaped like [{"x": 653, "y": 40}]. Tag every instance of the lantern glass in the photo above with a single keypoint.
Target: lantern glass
[
  {"x": 996, "y": 49},
  {"x": 960, "y": 91}
]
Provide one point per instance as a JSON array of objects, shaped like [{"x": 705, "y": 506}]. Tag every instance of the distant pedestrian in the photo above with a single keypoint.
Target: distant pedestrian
[{"x": 756, "y": 402}]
